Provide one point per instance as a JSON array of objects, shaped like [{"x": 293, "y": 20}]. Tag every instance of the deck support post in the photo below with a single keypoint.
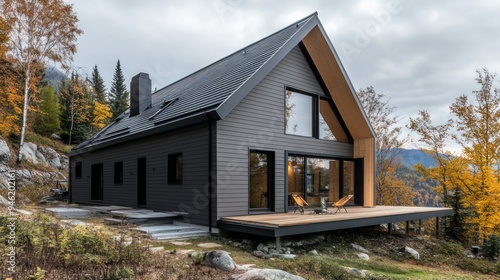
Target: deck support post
[
  {"x": 437, "y": 227},
  {"x": 278, "y": 243},
  {"x": 407, "y": 227},
  {"x": 420, "y": 226},
  {"x": 389, "y": 227}
]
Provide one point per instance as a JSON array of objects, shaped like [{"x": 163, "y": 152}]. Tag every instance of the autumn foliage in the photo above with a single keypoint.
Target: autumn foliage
[{"x": 469, "y": 180}]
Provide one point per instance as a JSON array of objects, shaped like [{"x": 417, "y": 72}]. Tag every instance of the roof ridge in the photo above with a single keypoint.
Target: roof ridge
[{"x": 305, "y": 19}]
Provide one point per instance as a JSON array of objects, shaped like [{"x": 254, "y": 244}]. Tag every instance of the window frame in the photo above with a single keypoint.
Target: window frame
[
  {"x": 316, "y": 111},
  {"x": 271, "y": 184},
  {"x": 173, "y": 169}
]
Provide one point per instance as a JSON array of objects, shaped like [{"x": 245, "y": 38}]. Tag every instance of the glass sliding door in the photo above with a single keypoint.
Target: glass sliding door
[
  {"x": 261, "y": 180},
  {"x": 316, "y": 178}
]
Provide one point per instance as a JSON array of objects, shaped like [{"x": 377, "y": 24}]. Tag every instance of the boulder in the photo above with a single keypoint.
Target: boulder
[
  {"x": 4, "y": 152},
  {"x": 4, "y": 201},
  {"x": 52, "y": 157},
  {"x": 285, "y": 256},
  {"x": 359, "y": 248},
  {"x": 219, "y": 259},
  {"x": 468, "y": 254},
  {"x": 29, "y": 152},
  {"x": 263, "y": 248},
  {"x": 414, "y": 254},
  {"x": 267, "y": 274},
  {"x": 363, "y": 256},
  {"x": 4, "y": 176},
  {"x": 260, "y": 254},
  {"x": 356, "y": 272}
]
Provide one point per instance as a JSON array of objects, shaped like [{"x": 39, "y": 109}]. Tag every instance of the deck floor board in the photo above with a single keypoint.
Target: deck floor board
[{"x": 278, "y": 220}]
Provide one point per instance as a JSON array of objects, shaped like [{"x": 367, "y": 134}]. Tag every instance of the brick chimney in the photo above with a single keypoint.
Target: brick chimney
[{"x": 140, "y": 93}]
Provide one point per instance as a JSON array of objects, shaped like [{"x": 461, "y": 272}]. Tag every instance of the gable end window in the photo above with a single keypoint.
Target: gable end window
[
  {"x": 118, "y": 170},
  {"x": 175, "y": 169},
  {"x": 78, "y": 170},
  {"x": 312, "y": 116}
]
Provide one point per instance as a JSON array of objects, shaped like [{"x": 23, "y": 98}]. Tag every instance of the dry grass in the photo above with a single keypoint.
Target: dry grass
[{"x": 57, "y": 260}]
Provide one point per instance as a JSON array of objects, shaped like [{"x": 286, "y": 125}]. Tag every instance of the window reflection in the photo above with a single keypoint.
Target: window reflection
[
  {"x": 260, "y": 180},
  {"x": 329, "y": 125},
  {"x": 299, "y": 114},
  {"x": 317, "y": 178}
]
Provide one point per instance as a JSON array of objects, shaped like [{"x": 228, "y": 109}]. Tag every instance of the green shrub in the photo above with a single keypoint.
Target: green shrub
[
  {"x": 123, "y": 273},
  {"x": 491, "y": 248}
]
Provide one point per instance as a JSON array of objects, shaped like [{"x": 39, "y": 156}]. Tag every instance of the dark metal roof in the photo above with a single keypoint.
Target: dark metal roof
[{"x": 211, "y": 92}]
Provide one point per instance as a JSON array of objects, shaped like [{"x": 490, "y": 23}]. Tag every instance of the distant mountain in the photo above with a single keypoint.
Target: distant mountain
[
  {"x": 54, "y": 77},
  {"x": 410, "y": 157}
]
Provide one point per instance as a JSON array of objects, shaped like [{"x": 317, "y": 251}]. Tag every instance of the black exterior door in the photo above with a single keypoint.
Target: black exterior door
[
  {"x": 96, "y": 184},
  {"x": 141, "y": 181}
]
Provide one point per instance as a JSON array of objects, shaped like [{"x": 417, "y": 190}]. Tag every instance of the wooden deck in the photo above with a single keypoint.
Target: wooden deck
[{"x": 283, "y": 224}]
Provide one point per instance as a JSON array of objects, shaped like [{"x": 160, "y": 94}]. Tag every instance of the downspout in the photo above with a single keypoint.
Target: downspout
[{"x": 210, "y": 150}]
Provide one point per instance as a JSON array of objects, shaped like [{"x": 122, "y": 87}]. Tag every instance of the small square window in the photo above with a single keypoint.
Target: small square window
[
  {"x": 78, "y": 170},
  {"x": 175, "y": 169},
  {"x": 118, "y": 173}
]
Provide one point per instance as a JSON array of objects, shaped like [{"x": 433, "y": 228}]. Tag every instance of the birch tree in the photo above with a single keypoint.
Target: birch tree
[{"x": 41, "y": 31}]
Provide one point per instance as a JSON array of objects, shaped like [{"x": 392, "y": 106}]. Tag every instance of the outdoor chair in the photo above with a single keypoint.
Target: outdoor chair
[
  {"x": 340, "y": 204},
  {"x": 301, "y": 203}
]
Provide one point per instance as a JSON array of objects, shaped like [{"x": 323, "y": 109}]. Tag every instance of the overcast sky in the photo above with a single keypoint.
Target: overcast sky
[{"x": 420, "y": 54}]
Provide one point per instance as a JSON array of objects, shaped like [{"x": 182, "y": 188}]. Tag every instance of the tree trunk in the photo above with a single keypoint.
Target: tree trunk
[{"x": 25, "y": 112}]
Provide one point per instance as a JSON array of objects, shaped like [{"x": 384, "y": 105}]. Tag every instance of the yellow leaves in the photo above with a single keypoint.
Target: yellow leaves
[
  {"x": 102, "y": 115},
  {"x": 11, "y": 102},
  {"x": 391, "y": 190}
]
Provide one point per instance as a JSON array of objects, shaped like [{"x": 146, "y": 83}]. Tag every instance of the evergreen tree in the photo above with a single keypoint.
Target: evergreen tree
[
  {"x": 100, "y": 110},
  {"x": 98, "y": 87},
  {"x": 118, "y": 94},
  {"x": 47, "y": 120}
]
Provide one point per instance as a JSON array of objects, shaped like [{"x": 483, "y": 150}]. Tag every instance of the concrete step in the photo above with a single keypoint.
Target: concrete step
[
  {"x": 70, "y": 213},
  {"x": 114, "y": 221},
  {"x": 143, "y": 216},
  {"x": 164, "y": 232},
  {"x": 164, "y": 229},
  {"x": 179, "y": 235}
]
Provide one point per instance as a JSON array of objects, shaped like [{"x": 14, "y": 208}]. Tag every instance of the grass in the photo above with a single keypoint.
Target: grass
[
  {"x": 49, "y": 142},
  {"x": 59, "y": 253}
]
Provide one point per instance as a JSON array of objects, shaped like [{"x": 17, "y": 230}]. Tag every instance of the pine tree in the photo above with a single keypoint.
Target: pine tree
[
  {"x": 98, "y": 87},
  {"x": 47, "y": 119},
  {"x": 118, "y": 94},
  {"x": 100, "y": 109}
]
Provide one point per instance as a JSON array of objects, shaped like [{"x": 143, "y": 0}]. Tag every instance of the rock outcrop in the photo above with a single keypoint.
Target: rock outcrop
[{"x": 37, "y": 155}]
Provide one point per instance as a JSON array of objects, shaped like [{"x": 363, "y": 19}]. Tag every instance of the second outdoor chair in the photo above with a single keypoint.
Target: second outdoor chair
[{"x": 340, "y": 204}]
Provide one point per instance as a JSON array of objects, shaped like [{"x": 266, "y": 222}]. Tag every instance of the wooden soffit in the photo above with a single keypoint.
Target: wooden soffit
[{"x": 336, "y": 82}]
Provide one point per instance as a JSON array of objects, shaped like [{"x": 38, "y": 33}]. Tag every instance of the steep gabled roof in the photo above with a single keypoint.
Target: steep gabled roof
[{"x": 211, "y": 92}]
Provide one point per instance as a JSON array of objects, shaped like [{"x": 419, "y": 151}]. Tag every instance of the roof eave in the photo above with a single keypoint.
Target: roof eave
[{"x": 169, "y": 126}]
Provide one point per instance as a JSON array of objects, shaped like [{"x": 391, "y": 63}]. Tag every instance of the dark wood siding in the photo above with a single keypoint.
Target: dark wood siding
[
  {"x": 190, "y": 196},
  {"x": 258, "y": 123}
]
